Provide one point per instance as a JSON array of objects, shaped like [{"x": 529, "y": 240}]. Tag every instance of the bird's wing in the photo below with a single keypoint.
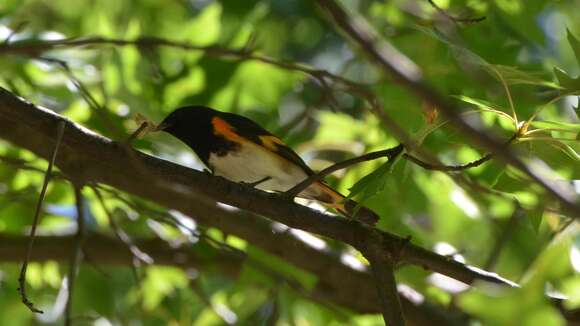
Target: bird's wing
[{"x": 250, "y": 130}]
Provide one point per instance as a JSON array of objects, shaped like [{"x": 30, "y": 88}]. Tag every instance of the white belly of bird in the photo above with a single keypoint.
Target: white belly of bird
[{"x": 234, "y": 166}]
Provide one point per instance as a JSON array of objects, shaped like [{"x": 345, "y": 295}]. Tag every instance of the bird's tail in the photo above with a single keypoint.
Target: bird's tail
[{"x": 350, "y": 208}]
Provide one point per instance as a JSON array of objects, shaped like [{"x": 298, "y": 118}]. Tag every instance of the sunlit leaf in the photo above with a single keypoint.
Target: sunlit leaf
[
  {"x": 371, "y": 184},
  {"x": 485, "y": 105},
  {"x": 556, "y": 124},
  {"x": 566, "y": 149},
  {"x": 515, "y": 76},
  {"x": 569, "y": 83}
]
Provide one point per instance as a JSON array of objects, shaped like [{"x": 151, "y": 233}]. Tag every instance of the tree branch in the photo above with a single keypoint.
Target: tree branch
[{"x": 447, "y": 168}]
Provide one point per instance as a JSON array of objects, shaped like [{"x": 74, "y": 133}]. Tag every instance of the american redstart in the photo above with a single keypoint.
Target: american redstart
[{"x": 237, "y": 148}]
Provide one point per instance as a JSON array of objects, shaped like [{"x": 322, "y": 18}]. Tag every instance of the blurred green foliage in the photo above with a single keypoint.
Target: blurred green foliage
[{"x": 517, "y": 68}]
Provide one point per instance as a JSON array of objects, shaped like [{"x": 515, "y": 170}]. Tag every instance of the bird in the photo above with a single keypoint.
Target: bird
[{"x": 237, "y": 148}]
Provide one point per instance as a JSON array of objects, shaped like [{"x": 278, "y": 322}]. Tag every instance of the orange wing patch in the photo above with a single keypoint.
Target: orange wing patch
[
  {"x": 224, "y": 129},
  {"x": 270, "y": 142}
]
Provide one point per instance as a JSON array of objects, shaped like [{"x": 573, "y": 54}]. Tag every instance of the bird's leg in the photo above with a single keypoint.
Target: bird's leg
[{"x": 256, "y": 183}]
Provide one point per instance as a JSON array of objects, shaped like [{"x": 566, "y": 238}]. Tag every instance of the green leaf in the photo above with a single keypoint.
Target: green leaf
[
  {"x": 575, "y": 44},
  {"x": 556, "y": 124},
  {"x": 485, "y": 105},
  {"x": 535, "y": 218},
  {"x": 566, "y": 149},
  {"x": 571, "y": 84},
  {"x": 515, "y": 76},
  {"x": 371, "y": 184}
]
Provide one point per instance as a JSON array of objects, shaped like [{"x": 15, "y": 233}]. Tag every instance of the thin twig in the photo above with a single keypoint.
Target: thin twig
[
  {"x": 441, "y": 167},
  {"x": 76, "y": 254},
  {"x": 456, "y": 19},
  {"x": 390, "y": 153},
  {"x": 429, "y": 166},
  {"x": 22, "y": 277}
]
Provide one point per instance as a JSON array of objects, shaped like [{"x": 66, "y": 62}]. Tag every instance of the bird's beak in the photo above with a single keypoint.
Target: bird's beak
[{"x": 162, "y": 126}]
